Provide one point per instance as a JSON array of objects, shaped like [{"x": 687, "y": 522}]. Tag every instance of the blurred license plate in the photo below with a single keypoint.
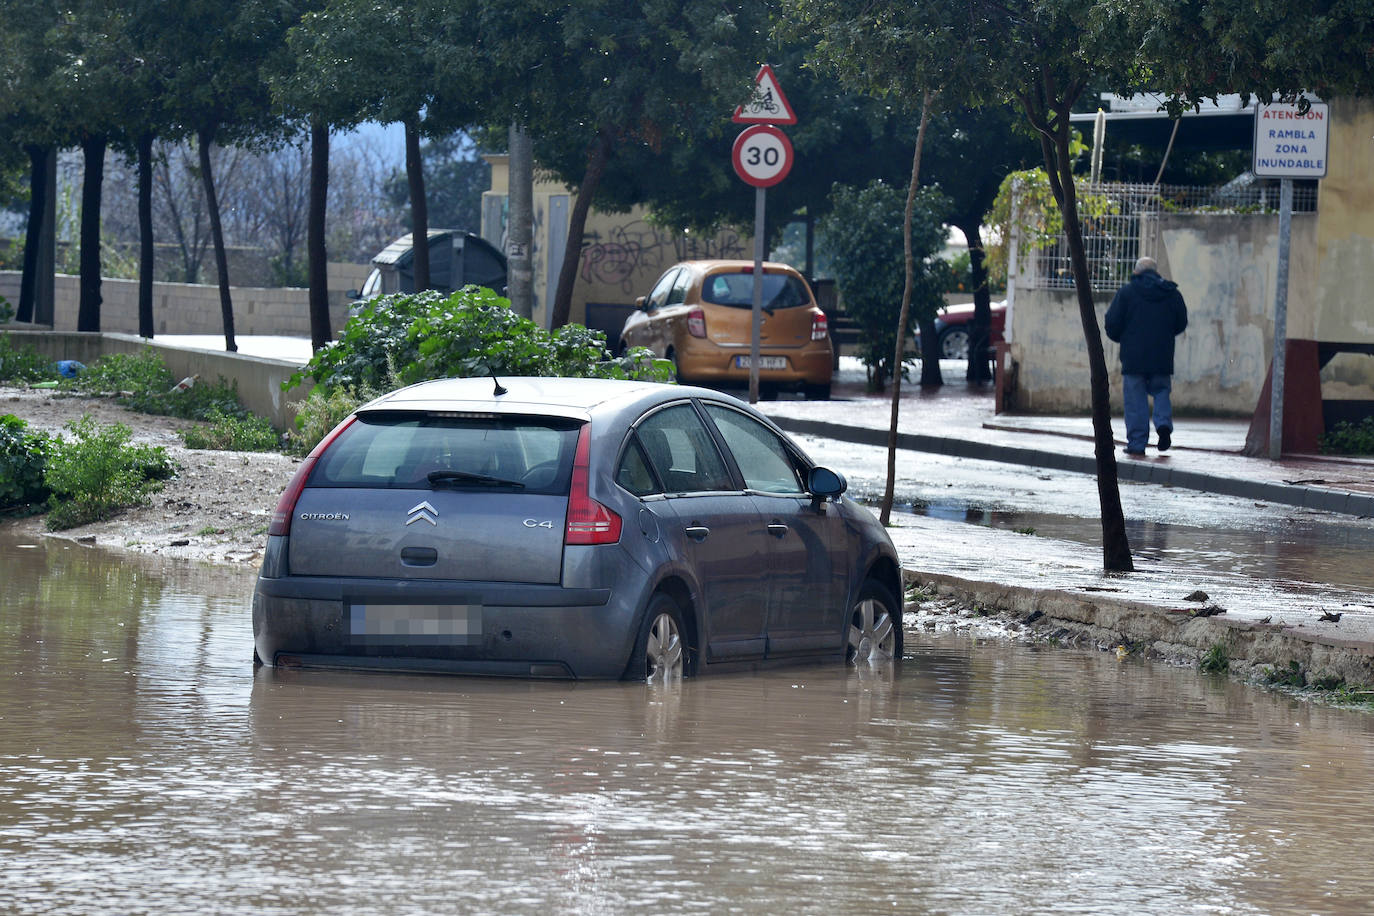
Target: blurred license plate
[
  {"x": 765, "y": 362},
  {"x": 415, "y": 624}
]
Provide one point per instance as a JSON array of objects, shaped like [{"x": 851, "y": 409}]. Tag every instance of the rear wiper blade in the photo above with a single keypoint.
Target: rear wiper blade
[{"x": 440, "y": 477}]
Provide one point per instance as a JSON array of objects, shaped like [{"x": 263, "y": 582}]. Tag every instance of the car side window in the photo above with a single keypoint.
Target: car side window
[
  {"x": 634, "y": 473},
  {"x": 681, "y": 450},
  {"x": 679, "y": 293},
  {"x": 763, "y": 459},
  {"x": 659, "y": 297}
]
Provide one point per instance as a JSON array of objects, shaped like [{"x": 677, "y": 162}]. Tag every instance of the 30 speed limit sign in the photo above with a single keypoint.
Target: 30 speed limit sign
[{"x": 762, "y": 155}]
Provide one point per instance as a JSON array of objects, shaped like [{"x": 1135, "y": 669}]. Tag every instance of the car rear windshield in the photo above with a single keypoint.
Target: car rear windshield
[
  {"x": 411, "y": 451},
  {"x": 780, "y": 291}
]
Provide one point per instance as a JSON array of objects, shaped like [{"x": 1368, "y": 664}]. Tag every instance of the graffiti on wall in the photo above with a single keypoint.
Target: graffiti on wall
[{"x": 628, "y": 257}]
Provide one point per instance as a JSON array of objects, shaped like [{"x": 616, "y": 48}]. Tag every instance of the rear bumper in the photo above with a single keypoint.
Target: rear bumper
[
  {"x": 516, "y": 630},
  {"x": 812, "y": 365}
]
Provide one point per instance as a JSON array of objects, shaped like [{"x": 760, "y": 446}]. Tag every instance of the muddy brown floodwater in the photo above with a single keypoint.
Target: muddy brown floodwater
[{"x": 146, "y": 768}]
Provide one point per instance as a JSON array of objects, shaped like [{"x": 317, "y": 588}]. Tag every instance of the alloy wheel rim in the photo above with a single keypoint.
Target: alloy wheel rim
[
  {"x": 872, "y": 636},
  {"x": 663, "y": 653}
]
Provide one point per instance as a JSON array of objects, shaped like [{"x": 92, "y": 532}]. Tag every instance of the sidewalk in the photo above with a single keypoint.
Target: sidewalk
[{"x": 1264, "y": 623}]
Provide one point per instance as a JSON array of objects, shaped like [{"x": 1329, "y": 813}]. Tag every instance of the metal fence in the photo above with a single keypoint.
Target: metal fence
[{"x": 1118, "y": 225}]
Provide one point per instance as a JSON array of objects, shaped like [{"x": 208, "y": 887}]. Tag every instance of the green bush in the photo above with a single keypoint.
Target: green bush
[
  {"x": 6, "y": 311},
  {"x": 23, "y": 365},
  {"x": 1350, "y": 438},
  {"x": 23, "y": 457},
  {"x": 323, "y": 410},
  {"x": 863, "y": 233},
  {"x": 142, "y": 382},
  {"x": 97, "y": 472},
  {"x": 240, "y": 434},
  {"x": 123, "y": 373},
  {"x": 469, "y": 333}
]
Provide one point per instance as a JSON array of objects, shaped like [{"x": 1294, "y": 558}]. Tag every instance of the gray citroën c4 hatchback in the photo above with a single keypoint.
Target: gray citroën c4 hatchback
[{"x": 581, "y": 528}]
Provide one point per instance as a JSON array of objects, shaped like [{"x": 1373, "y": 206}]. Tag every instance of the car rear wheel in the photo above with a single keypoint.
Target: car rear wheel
[
  {"x": 875, "y": 635},
  {"x": 954, "y": 342},
  {"x": 660, "y": 653}
]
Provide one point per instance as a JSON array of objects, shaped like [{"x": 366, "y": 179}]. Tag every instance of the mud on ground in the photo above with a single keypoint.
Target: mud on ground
[{"x": 215, "y": 508}]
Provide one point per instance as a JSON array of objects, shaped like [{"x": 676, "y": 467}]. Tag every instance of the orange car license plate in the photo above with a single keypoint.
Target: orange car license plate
[{"x": 765, "y": 362}]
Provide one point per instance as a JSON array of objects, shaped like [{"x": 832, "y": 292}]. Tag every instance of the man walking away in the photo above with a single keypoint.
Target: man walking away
[{"x": 1145, "y": 316}]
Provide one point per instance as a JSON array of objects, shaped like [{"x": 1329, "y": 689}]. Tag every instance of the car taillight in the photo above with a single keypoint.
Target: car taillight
[
  {"x": 820, "y": 326},
  {"x": 589, "y": 522},
  {"x": 286, "y": 506},
  {"x": 696, "y": 323}
]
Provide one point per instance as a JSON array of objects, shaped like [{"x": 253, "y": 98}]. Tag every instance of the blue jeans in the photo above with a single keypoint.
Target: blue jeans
[{"x": 1136, "y": 390}]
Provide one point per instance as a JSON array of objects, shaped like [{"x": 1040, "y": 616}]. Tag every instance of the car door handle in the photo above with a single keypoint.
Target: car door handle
[
  {"x": 777, "y": 529},
  {"x": 698, "y": 532}
]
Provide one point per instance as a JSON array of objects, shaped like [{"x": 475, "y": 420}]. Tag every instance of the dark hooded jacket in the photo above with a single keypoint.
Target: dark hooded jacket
[{"x": 1145, "y": 316}]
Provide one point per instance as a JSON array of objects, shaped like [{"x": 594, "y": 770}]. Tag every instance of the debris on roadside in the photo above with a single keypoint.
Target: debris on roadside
[
  {"x": 1198, "y": 596},
  {"x": 1210, "y": 610}
]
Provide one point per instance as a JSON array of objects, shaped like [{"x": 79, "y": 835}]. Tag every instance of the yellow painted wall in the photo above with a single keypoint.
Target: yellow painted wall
[{"x": 1343, "y": 304}]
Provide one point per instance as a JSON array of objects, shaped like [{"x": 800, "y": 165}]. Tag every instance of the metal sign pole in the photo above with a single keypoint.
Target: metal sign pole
[
  {"x": 759, "y": 195},
  {"x": 1280, "y": 322}
]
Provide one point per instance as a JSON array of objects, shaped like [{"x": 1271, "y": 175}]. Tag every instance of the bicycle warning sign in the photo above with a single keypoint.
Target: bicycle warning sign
[{"x": 767, "y": 104}]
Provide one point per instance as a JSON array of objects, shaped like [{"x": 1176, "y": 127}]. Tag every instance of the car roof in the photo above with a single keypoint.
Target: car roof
[
  {"x": 706, "y": 266},
  {"x": 566, "y": 397}
]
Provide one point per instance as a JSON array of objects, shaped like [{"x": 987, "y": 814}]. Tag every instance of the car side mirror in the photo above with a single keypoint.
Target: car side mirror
[
  {"x": 639, "y": 302},
  {"x": 826, "y": 484},
  {"x": 353, "y": 294}
]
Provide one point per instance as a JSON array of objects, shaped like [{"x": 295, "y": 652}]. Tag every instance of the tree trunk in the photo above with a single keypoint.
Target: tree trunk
[
  {"x": 572, "y": 255},
  {"x": 520, "y": 228},
  {"x": 316, "y": 254},
  {"x": 886, "y": 514},
  {"x": 226, "y": 303},
  {"x": 145, "y": 235},
  {"x": 93, "y": 162},
  {"x": 980, "y": 328},
  {"x": 419, "y": 208},
  {"x": 1116, "y": 549},
  {"x": 39, "y": 163},
  {"x": 931, "y": 374}
]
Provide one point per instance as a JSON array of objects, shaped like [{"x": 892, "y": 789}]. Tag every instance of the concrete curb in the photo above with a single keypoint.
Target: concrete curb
[
  {"x": 1319, "y": 498},
  {"x": 1169, "y": 631}
]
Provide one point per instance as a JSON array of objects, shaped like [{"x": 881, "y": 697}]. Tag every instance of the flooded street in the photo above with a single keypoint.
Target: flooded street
[{"x": 145, "y": 767}]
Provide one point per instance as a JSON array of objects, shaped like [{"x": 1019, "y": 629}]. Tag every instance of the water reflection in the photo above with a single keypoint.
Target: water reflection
[{"x": 157, "y": 773}]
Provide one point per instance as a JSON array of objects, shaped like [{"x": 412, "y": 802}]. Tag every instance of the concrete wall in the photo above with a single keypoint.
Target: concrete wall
[
  {"x": 258, "y": 380},
  {"x": 184, "y": 308},
  {"x": 1226, "y": 268}
]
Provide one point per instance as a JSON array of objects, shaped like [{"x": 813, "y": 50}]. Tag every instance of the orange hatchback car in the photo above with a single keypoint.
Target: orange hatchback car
[{"x": 700, "y": 315}]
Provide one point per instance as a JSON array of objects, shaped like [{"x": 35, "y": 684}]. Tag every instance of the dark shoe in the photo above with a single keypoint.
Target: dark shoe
[
  {"x": 1165, "y": 438},
  {"x": 1134, "y": 454}
]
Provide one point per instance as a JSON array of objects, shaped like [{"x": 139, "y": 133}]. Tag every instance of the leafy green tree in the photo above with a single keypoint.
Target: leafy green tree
[
  {"x": 402, "y": 64},
  {"x": 595, "y": 78},
  {"x": 455, "y": 177},
  {"x": 218, "y": 54},
  {"x": 969, "y": 152},
  {"x": 1044, "y": 54},
  {"x": 863, "y": 231}
]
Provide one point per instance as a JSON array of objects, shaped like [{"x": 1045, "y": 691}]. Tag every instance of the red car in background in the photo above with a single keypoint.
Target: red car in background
[{"x": 952, "y": 321}]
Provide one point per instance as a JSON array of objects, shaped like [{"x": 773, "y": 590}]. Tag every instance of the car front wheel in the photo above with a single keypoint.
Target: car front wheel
[
  {"x": 660, "y": 653},
  {"x": 875, "y": 633}
]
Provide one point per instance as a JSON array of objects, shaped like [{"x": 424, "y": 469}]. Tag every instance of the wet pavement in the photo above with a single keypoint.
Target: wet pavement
[
  {"x": 146, "y": 767},
  {"x": 1273, "y": 567}
]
